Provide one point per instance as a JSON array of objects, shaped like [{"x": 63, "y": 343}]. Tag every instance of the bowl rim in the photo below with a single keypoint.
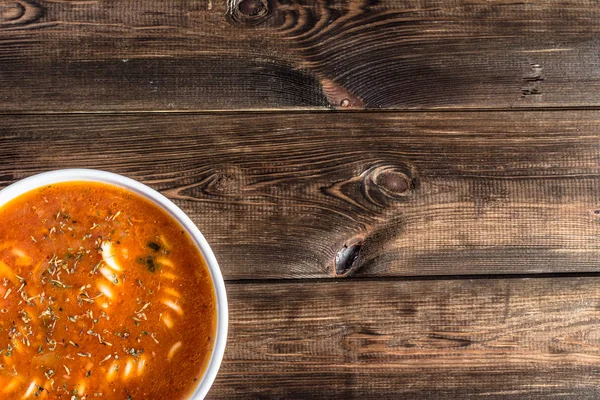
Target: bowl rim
[{"x": 94, "y": 175}]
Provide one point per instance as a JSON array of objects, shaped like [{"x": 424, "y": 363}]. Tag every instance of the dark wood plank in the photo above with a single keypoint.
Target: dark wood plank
[
  {"x": 387, "y": 194},
  {"x": 458, "y": 339},
  {"x": 257, "y": 54}
]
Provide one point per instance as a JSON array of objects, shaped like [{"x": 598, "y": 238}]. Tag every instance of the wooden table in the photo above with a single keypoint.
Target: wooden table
[{"x": 404, "y": 195}]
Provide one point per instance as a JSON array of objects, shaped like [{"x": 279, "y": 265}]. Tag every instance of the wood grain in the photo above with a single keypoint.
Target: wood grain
[
  {"x": 456, "y": 339},
  {"x": 370, "y": 194},
  {"x": 273, "y": 54}
]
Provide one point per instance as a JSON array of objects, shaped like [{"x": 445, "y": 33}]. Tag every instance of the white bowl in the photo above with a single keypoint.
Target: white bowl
[{"x": 91, "y": 175}]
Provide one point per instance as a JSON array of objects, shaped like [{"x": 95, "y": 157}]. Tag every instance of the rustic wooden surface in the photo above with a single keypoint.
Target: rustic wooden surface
[
  {"x": 440, "y": 240},
  {"x": 409, "y": 194},
  {"x": 456, "y": 339},
  {"x": 256, "y": 54}
]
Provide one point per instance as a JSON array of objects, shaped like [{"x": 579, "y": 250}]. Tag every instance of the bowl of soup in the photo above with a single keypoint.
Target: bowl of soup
[{"x": 107, "y": 291}]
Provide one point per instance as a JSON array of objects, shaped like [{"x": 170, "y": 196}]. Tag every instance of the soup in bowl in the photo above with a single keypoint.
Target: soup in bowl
[{"x": 107, "y": 290}]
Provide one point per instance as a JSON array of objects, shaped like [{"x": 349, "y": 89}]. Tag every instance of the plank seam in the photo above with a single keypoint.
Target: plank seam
[
  {"x": 304, "y": 111},
  {"x": 557, "y": 275}
]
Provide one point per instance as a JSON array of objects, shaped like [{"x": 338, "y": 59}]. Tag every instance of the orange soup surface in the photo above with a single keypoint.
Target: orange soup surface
[{"x": 103, "y": 295}]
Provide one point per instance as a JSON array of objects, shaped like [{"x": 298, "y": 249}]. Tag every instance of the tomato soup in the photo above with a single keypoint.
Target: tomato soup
[{"x": 103, "y": 295}]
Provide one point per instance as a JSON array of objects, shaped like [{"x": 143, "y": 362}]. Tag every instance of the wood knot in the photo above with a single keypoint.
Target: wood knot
[
  {"x": 11, "y": 11},
  {"x": 377, "y": 187},
  {"x": 249, "y": 12},
  {"x": 384, "y": 183},
  {"x": 20, "y": 12},
  {"x": 345, "y": 259},
  {"x": 339, "y": 97},
  {"x": 222, "y": 183},
  {"x": 392, "y": 181}
]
